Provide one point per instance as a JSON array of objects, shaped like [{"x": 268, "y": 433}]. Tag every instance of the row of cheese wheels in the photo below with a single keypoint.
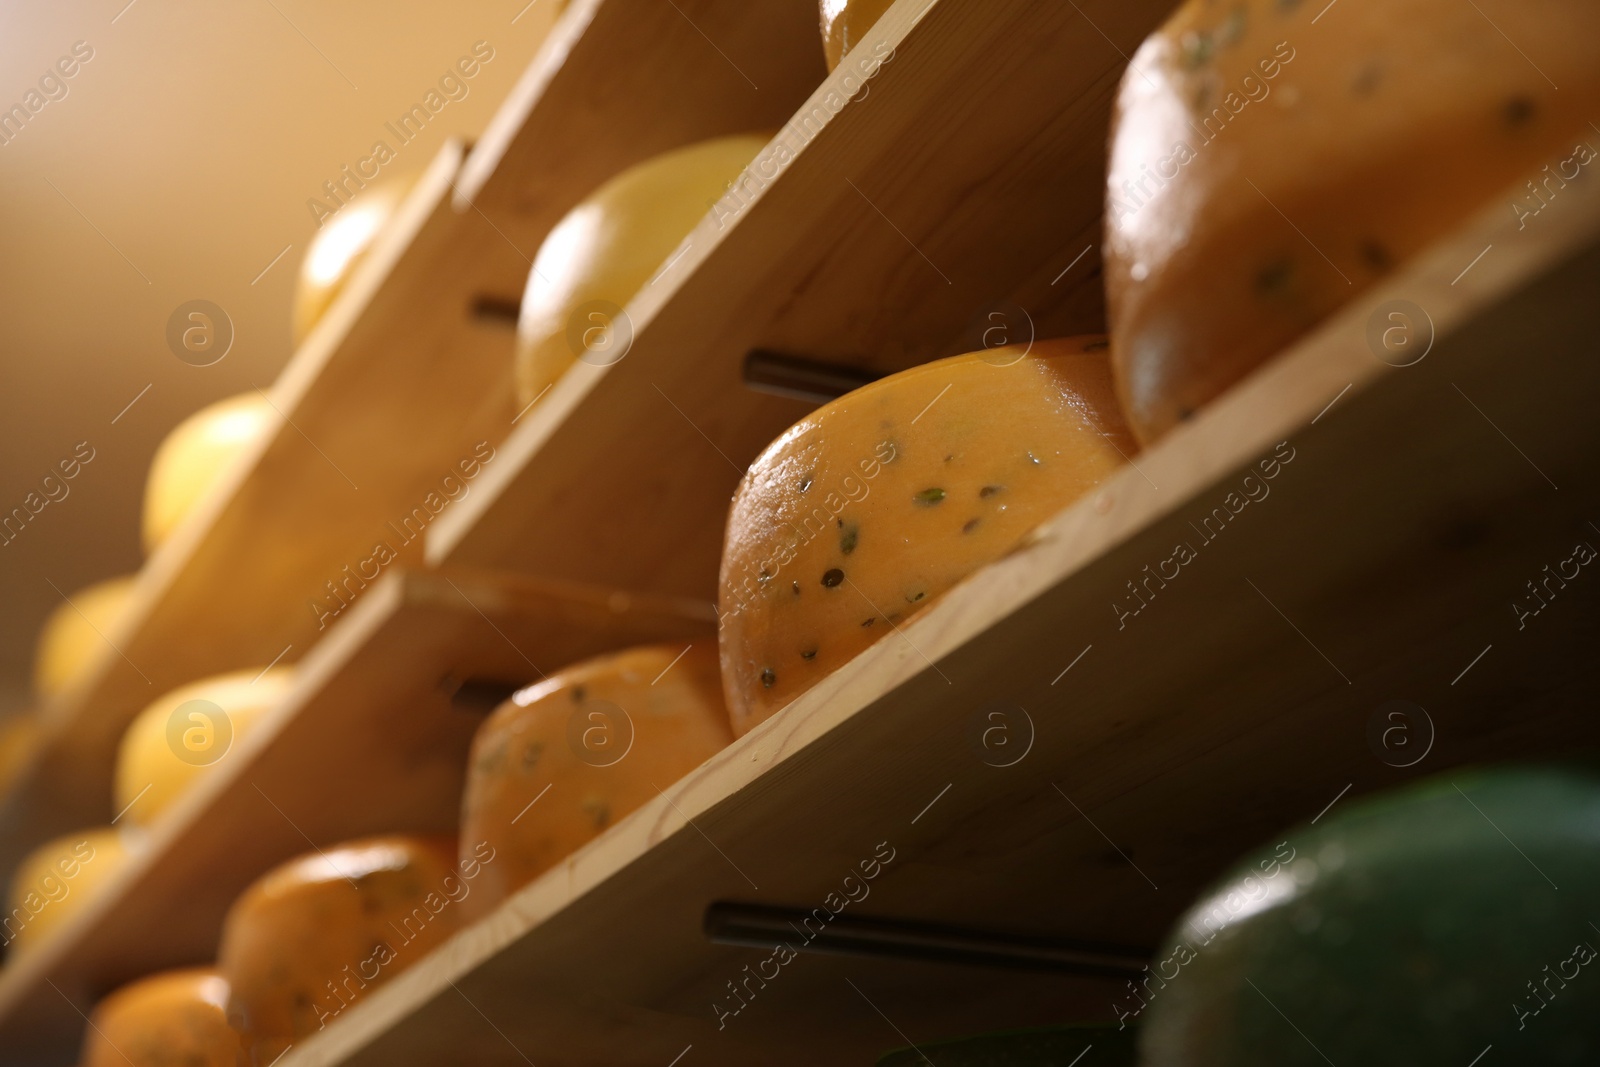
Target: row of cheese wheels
[
  {"x": 1260, "y": 178},
  {"x": 316, "y": 934},
  {"x": 864, "y": 513}
]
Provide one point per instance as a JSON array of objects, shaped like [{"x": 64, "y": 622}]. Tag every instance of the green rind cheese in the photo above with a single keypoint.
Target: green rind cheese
[{"x": 1423, "y": 926}]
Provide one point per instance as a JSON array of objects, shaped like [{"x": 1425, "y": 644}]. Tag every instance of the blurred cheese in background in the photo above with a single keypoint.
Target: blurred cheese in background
[
  {"x": 193, "y": 457},
  {"x": 179, "y": 736},
  {"x": 170, "y": 1019},
  {"x": 608, "y": 248},
  {"x": 845, "y": 22},
  {"x": 76, "y": 632},
  {"x": 601, "y": 736},
  {"x": 57, "y": 881},
  {"x": 340, "y": 246},
  {"x": 180, "y": 167}
]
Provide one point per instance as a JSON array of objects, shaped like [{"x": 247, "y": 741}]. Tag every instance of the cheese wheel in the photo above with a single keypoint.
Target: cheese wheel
[
  {"x": 179, "y": 736},
  {"x": 868, "y": 509},
  {"x": 195, "y": 455},
  {"x": 76, "y": 632},
  {"x": 57, "y": 881},
  {"x": 315, "y": 935},
  {"x": 608, "y": 248},
  {"x": 601, "y": 736},
  {"x": 1264, "y": 171},
  {"x": 339, "y": 247},
  {"x": 845, "y": 22},
  {"x": 171, "y": 1019}
]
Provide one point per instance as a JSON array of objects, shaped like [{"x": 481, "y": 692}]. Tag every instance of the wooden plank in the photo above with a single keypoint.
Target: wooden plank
[
  {"x": 620, "y": 81},
  {"x": 368, "y": 741},
  {"x": 1408, "y": 509},
  {"x": 394, "y": 386},
  {"x": 873, "y": 232},
  {"x": 401, "y": 381}
]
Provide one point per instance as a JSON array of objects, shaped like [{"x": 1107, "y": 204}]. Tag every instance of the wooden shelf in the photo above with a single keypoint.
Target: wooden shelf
[
  {"x": 890, "y": 229},
  {"x": 1408, "y": 508},
  {"x": 368, "y": 741},
  {"x": 393, "y": 387},
  {"x": 1381, "y": 566},
  {"x": 402, "y": 379}
]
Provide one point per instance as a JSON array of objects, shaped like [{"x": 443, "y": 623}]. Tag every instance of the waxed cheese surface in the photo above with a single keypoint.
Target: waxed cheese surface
[
  {"x": 564, "y": 760},
  {"x": 195, "y": 455},
  {"x": 183, "y": 734},
  {"x": 1266, "y": 167},
  {"x": 863, "y": 513},
  {"x": 845, "y": 22},
  {"x": 341, "y": 244},
  {"x": 58, "y": 880},
  {"x": 71, "y": 636},
  {"x": 317, "y": 934},
  {"x": 170, "y": 1019},
  {"x": 610, "y": 246}
]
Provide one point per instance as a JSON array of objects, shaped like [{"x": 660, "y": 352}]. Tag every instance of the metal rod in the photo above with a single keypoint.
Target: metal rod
[
  {"x": 802, "y": 379},
  {"x": 819, "y": 930}
]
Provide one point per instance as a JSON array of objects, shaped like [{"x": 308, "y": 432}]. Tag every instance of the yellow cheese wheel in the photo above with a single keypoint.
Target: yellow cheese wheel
[
  {"x": 77, "y": 632},
  {"x": 608, "y": 248},
  {"x": 340, "y": 245},
  {"x": 600, "y": 736},
  {"x": 57, "y": 881},
  {"x": 174, "y": 740},
  {"x": 868, "y": 509},
  {"x": 194, "y": 455},
  {"x": 1265, "y": 170},
  {"x": 315, "y": 935},
  {"x": 171, "y": 1019},
  {"x": 845, "y": 22}
]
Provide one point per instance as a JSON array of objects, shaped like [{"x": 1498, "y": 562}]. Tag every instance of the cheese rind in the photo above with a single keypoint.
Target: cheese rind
[
  {"x": 179, "y": 736},
  {"x": 599, "y": 736},
  {"x": 195, "y": 455},
  {"x": 845, "y": 22},
  {"x": 1265, "y": 170},
  {"x": 339, "y": 247},
  {"x": 314, "y": 935},
  {"x": 864, "y": 512},
  {"x": 171, "y": 1019},
  {"x": 76, "y": 632},
  {"x": 608, "y": 248},
  {"x": 58, "y": 880}
]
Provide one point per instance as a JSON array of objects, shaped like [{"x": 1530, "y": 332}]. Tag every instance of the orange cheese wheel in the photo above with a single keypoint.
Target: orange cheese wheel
[
  {"x": 313, "y": 936},
  {"x": 1265, "y": 170},
  {"x": 172, "y": 1019},
  {"x": 845, "y": 22},
  {"x": 865, "y": 511},
  {"x": 600, "y": 736},
  {"x": 58, "y": 880}
]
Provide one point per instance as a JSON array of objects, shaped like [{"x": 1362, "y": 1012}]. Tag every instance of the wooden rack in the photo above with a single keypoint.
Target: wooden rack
[{"x": 1408, "y": 508}]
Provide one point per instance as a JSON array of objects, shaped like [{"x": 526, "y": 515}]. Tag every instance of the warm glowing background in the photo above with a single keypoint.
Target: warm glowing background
[{"x": 191, "y": 141}]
